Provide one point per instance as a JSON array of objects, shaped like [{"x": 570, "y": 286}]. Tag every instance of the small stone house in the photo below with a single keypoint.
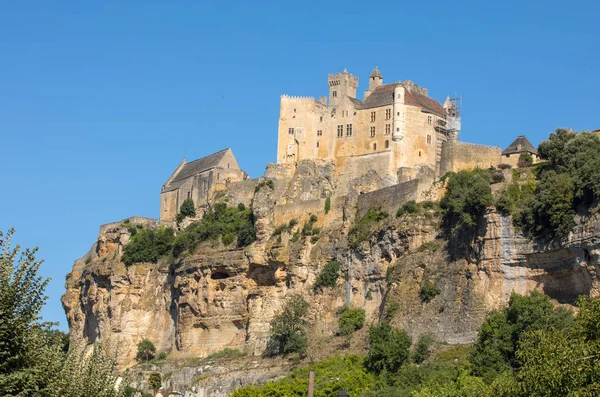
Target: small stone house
[
  {"x": 511, "y": 154},
  {"x": 199, "y": 180}
]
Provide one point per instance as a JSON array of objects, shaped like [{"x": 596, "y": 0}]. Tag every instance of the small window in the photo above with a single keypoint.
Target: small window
[
  {"x": 321, "y": 119},
  {"x": 227, "y": 165},
  {"x": 372, "y": 117},
  {"x": 340, "y": 131},
  {"x": 388, "y": 114},
  {"x": 398, "y": 114},
  {"x": 218, "y": 175},
  {"x": 372, "y": 132},
  {"x": 317, "y": 144},
  {"x": 334, "y": 94},
  {"x": 398, "y": 129},
  {"x": 319, "y": 132},
  {"x": 374, "y": 146},
  {"x": 188, "y": 196},
  {"x": 348, "y": 129},
  {"x": 387, "y": 144},
  {"x": 290, "y": 131},
  {"x": 388, "y": 129},
  {"x": 294, "y": 110},
  {"x": 429, "y": 120},
  {"x": 429, "y": 139},
  {"x": 419, "y": 153}
]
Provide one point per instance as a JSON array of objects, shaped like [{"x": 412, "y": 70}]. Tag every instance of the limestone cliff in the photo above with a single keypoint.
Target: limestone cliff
[{"x": 222, "y": 297}]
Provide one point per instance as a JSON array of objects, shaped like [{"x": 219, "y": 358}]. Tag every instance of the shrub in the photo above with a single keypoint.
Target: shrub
[
  {"x": 327, "y": 205},
  {"x": 227, "y": 238},
  {"x": 269, "y": 183},
  {"x": 388, "y": 348},
  {"x": 147, "y": 245},
  {"x": 429, "y": 291},
  {"x": 351, "y": 320},
  {"x": 410, "y": 207},
  {"x": 187, "y": 209},
  {"x": 293, "y": 222},
  {"x": 314, "y": 239},
  {"x": 504, "y": 166},
  {"x": 288, "y": 328},
  {"x": 162, "y": 356},
  {"x": 362, "y": 228},
  {"x": 428, "y": 205},
  {"x": 525, "y": 160},
  {"x": 154, "y": 381},
  {"x": 497, "y": 177},
  {"x": 328, "y": 275},
  {"x": 145, "y": 350},
  {"x": 422, "y": 352}
]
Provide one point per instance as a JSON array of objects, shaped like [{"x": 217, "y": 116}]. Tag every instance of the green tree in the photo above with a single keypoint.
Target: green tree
[
  {"x": 145, "y": 350},
  {"x": 422, "y": 347},
  {"x": 351, "y": 320},
  {"x": 187, "y": 209},
  {"x": 328, "y": 276},
  {"x": 154, "y": 381},
  {"x": 147, "y": 245},
  {"x": 388, "y": 348},
  {"x": 288, "y": 328}
]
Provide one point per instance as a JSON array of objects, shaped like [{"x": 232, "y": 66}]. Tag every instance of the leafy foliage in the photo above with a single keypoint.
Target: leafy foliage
[
  {"x": 500, "y": 334},
  {"x": 147, "y": 245},
  {"x": 288, "y": 328},
  {"x": 328, "y": 275},
  {"x": 467, "y": 195},
  {"x": 422, "y": 347},
  {"x": 429, "y": 291},
  {"x": 410, "y": 207},
  {"x": 331, "y": 375},
  {"x": 388, "y": 348},
  {"x": 327, "y": 205},
  {"x": 363, "y": 227},
  {"x": 187, "y": 209},
  {"x": 351, "y": 320},
  {"x": 269, "y": 183},
  {"x": 33, "y": 359},
  {"x": 155, "y": 381},
  {"x": 145, "y": 350}
]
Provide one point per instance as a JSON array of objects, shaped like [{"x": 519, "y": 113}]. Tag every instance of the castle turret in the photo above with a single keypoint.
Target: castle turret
[
  {"x": 340, "y": 85},
  {"x": 375, "y": 80}
]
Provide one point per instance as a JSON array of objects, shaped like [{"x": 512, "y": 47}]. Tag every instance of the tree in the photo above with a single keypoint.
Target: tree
[
  {"x": 525, "y": 160},
  {"x": 288, "y": 328},
  {"x": 145, "y": 350},
  {"x": 388, "y": 348},
  {"x": 147, "y": 245},
  {"x": 351, "y": 320},
  {"x": 154, "y": 381},
  {"x": 422, "y": 352},
  {"x": 187, "y": 209}
]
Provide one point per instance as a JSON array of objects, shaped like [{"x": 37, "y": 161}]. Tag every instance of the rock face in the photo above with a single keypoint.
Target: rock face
[{"x": 223, "y": 297}]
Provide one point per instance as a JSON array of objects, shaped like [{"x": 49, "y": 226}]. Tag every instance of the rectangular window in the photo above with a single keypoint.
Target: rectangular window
[
  {"x": 429, "y": 120},
  {"x": 372, "y": 117},
  {"x": 334, "y": 94},
  {"x": 388, "y": 129},
  {"x": 317, "y": 144},
  {"x": 374, "y": 146},
  {"x": 429, "y": 139},
  {"x": 290, "y": 131},
  {"x": 319, "y": 132},
  {"x": 387, "y": 144},
  {"x": 348, "y": 129},
  {"x": 321, "y": 119},
  {"x": 340, "y": 131},
  {"x": 372, "y": 132},
  {"x": 388, "y": 114}
]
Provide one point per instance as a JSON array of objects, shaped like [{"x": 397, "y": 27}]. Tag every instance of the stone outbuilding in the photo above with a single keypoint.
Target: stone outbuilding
[
  {"x": 511, "y": 154},
  {"x": 199, "y": 180}
]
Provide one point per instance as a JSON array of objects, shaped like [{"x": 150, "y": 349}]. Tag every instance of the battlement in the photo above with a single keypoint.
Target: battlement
[
  {"x": 292, "y": 98},
  {"x": 414, "y": 87},
  {"x": 336, "y": 79}
]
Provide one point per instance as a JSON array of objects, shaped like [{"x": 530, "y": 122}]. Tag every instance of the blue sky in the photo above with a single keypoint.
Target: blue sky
[{"x": 99, "y": 101}]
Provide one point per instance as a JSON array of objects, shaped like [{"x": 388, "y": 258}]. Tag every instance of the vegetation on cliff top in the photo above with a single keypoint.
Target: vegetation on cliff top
[{"x": 364, "y": 226}]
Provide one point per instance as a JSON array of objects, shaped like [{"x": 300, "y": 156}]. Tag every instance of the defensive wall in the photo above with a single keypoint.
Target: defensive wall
[{"x": 458, "y": 156}]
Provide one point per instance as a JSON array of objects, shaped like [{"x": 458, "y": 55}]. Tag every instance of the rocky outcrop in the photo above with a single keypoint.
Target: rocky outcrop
[{"x": 222, "y": 297}]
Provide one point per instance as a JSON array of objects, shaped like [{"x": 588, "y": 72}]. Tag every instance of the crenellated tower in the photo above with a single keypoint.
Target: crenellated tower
[{"x": 340, "y": 85}]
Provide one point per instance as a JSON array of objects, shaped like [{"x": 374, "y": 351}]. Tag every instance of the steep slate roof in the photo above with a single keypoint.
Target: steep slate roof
[
  {"x": 196, "y": 167},
  {"x": 355, "y": 101},
  {"x": 521, "y": 144},
  {"x": 383, "y": 96},
  {"x": 376, "y": 73}
]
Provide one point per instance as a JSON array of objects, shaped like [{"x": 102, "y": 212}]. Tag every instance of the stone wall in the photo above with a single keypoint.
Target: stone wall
[
  {"x": 388, "y": 199},
  {"x": 241, "y": 192},
  {"x": 457, "y": 156}
]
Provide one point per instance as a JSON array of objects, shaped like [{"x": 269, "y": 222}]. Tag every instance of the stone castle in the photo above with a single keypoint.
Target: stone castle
[{"x": 396, "y": 131}]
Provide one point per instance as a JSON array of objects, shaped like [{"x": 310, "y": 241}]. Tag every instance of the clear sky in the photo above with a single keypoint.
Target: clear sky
[{"x": 100, "y": 101}]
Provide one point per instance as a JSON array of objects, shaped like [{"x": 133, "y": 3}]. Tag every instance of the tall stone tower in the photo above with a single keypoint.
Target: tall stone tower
[{"x": 340, "y": 85}]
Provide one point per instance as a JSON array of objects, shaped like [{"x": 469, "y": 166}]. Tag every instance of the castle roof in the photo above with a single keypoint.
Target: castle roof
[
  {"x": 357, "y": 103},
  {"x": 196, "y": 167},
  {"x": 521, "y": 144},
  {"x": 376, "y": 73},
  {"x": 384, "y": 96}
]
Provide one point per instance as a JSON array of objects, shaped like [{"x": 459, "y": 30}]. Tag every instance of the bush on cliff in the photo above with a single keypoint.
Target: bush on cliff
[
  {"x": 363, "y": 227},
  {"x": 351, "y": 320},
  {"x": 147, "y": 245},
  {"x": 145, "y": 350},
  {"x": 288, "y": 328},
  {"x": 388, "y": 348},
  {"x": 187, "y": 209},
  {"x": 328, "y": 276}
]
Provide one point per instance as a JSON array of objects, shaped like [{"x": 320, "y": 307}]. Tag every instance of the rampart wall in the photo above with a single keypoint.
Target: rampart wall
[
  {"x": 457, "y": 156},
  {"x": 389, "y": 198}
]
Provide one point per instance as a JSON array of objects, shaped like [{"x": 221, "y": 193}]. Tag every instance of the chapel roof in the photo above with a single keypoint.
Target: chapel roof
[
  {"x": 196, "y": 167},
  {"x": 383, "y": 96},
  {"x": 521, "y": 144}
]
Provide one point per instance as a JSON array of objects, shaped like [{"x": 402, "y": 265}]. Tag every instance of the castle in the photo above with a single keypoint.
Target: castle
[{"x": 397, "y": 131}]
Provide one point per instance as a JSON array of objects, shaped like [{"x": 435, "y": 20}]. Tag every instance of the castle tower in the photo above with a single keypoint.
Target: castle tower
[
  {"x": 375, "y": 80},
  {"x": 340, "y": 85},
  {"x": 399, "y": 126}
]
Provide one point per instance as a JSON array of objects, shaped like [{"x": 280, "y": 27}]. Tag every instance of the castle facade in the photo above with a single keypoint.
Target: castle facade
[{"x": 396, "y": 130}]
